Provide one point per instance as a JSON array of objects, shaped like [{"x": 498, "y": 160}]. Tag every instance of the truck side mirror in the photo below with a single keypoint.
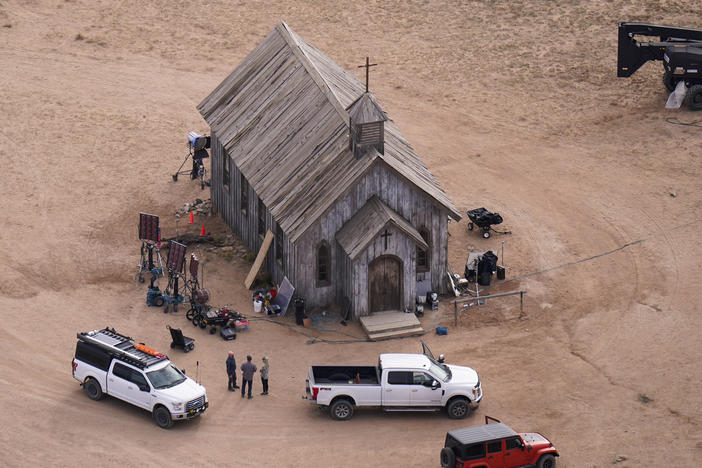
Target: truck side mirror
[
  {"x": 144, "y": 388},
  {"x": 183, "y": 371},
  {"x": 434, "y": 385},
  {"x": 441, "y": 358}
]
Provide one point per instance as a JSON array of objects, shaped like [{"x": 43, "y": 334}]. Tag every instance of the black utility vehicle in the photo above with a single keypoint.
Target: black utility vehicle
[{"x": 679, "y": 49}]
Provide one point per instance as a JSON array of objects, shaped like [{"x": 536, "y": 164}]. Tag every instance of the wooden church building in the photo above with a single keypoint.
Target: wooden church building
[{"x": 300, "y": 148}]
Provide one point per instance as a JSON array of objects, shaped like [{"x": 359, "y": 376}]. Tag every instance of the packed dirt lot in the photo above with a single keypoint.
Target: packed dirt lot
[{"x": 514, "y": 106}]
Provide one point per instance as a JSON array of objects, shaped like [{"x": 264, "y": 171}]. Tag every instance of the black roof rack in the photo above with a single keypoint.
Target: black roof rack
[{"x": 120, "y": 347}]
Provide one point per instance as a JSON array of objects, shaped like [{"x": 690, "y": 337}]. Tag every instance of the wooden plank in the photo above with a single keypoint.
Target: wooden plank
[
  {"x": 388, "y": 320},
  {"x": 393, "y": 327},
  {"x": 383, "y": 318},
  {"x": 259, "y": 259},
  {"x": 396, "y": 334}
]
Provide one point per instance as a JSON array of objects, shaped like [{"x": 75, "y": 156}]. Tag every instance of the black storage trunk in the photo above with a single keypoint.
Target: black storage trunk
[
  {"x": 227, "y": 333},
  {"x": 299, "y": 309}
]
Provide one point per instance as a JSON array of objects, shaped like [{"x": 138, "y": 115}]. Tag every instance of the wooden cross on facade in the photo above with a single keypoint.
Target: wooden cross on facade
[
  {"x": 367, "y": 67},
  {"x": 385, "y": 236}
]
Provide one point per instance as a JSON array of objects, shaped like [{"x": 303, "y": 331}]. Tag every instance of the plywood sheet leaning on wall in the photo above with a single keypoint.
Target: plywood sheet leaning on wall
[{"x": 263, "y": 251}]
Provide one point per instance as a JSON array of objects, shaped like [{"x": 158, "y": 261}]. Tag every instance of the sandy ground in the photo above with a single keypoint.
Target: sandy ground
[{"x": 513, "y": 105}]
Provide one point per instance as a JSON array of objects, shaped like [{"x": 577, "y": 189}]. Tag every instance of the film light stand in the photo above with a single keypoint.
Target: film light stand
[
  {"x": 150, "y": 236},
  {"x": 197, "y": 150},
  {"x": 176, "y": 266}
]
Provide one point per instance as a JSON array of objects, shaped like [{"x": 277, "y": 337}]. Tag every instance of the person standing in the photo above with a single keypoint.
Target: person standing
[
  {"x": 264, "y": 375},
  {"x": 247, "y": 371},
  {"x": 231, "y": 372}
]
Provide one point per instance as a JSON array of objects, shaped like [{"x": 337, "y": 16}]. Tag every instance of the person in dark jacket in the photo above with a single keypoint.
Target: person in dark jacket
[
  {"x": 247, "y": 371},
  {"x": 265, "y": 370},
  {"x": 231, "y": 372}
]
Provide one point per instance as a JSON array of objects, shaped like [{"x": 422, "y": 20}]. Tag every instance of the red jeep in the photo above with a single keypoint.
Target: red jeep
[{"x": 496, "y": 445}]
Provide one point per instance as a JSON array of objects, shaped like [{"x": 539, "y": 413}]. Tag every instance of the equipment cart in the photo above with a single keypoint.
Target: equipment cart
[{"x": 484, "y": 220}]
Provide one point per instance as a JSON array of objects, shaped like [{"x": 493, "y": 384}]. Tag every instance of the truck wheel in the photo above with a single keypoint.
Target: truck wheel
[
  {"x": 163, "y": 417},
  {"x": 458, "y": 408},
  {"x": 669, "y": 82},
  {"x": 341, "y": 410},
  {"x": 694, "y": 97},
  {"x": 448, "y": 458},
  {"x": 547, "y": 461},
  {"x": 92, "y": 389}
]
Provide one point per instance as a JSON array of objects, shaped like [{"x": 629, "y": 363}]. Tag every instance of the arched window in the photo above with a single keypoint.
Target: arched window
[
  {"x": 423, "y": 254},
  {"x": 261, "y": 218},
  {"x": 244, "y": 201},
  {"x": 323, "y": 265},
  {"x": 279, "y": 244}
]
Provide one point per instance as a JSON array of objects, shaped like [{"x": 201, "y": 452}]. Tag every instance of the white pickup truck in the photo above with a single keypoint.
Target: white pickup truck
[
  {"x": 107, "y": 363},
  {"x": 400, "y": 382}
]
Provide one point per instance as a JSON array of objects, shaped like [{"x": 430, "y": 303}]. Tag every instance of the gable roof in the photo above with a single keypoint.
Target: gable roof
[
  {"x": 365, "y": 225},
  {"x": 281, "y": 116}
]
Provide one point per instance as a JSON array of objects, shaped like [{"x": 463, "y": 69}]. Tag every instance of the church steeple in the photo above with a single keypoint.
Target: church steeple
[{"x": 367, "y": 125}]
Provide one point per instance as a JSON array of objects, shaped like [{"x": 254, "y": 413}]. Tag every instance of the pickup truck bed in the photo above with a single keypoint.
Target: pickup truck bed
[{"x": 346, "y": 374}]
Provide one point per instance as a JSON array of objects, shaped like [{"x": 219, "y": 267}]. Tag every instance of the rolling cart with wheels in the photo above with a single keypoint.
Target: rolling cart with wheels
[
  {"x": 180, "y": 341},
  {"x": 484, "y": 219}
]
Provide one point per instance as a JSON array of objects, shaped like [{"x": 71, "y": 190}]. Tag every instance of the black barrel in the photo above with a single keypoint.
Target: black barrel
[
  {"x": 500, "y": 272},
  {"x": 484, "y": 279}
]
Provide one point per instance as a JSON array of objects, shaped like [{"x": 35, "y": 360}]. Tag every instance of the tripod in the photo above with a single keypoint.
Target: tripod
[
  {"x": 198, "y": 170},
  {"x": 171, "y": 294},
  {"x": 147, "y": 262}
]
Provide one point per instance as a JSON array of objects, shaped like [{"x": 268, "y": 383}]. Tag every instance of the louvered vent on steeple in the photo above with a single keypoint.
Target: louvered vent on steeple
[{"x": 367, "y": 121}]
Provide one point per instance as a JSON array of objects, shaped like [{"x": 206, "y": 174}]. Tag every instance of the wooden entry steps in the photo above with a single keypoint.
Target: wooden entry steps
[{"x": 380, "y": 325}]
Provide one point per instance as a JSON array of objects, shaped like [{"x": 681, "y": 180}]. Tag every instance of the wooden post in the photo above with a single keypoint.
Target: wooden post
[{"x": 455, "y": 313}]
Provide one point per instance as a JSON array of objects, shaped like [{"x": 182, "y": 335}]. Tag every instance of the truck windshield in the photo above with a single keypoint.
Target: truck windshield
[
  {"x": 439, "y": 372},
  {"x": 167, "y": 377}
]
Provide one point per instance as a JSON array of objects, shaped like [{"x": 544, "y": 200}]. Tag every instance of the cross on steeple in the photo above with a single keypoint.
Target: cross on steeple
[
  {"x": 385, "y": 236},
  {"x": 367, "y": 67}
]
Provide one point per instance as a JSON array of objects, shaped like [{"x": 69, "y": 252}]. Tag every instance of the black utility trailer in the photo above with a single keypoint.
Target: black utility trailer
[
  {"x": 484, "y": 220},
  {"x": 213, "y": 318}
]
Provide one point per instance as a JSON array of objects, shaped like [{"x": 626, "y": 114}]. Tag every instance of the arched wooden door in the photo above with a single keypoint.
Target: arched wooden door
[{"x": 385, "y": 283}]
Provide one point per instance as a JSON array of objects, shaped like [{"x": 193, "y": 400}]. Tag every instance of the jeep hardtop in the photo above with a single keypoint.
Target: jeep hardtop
[{"x": 496, "y": 445}]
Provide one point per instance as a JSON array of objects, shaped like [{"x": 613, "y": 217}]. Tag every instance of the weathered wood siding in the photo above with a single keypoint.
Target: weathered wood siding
[
  {"x": 245, "y": 223},
  {"x": 413, "y": 204}
]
